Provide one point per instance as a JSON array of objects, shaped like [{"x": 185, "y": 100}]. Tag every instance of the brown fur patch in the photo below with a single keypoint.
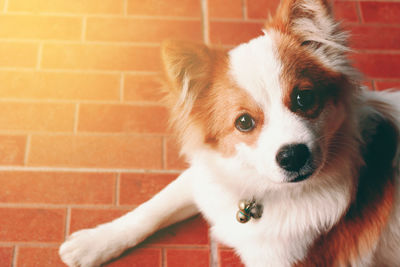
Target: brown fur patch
[
  {"x": 301, "y": 70},
  {"x": 212, "y": 101},
  {"x": 218, "y": 108}
]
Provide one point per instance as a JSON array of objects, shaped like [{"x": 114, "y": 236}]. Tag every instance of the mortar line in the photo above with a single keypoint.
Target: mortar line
[
  {"x": 163, "y": 257},
  {"x": 88, "y": 101},
  {"x": 108, "y": 16},
  {"x": 27, "y": 149},
  {"x": 359, "y": 12},
  {"x": 5, "y": 7},
  {"x": 84, "y": 27},
  {"x": 31, "y": 244},
  {"x": 76, "y": 115},
  {"x": 125, "y": 8},
  {"x": 87, "y": 170},
  {"x": 117, "y": 189},
  {"x": 214, "y": 259},
  {"x": 40, "y": 206},
  {"x": 67, "y": 223},
  {"x": 15, "y": 256},
  {"x": 121, "y": 88},
  {"x": 205, "y": 21},
  {"x": 244, "y": 9},
  {"x": 80, "y": 71}
]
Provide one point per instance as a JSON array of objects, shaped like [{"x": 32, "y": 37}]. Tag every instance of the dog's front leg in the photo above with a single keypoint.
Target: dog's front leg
[{"x": 92, "y": 247}]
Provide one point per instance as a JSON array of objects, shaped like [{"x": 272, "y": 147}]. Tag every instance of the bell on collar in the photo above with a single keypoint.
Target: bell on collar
[{"x": 247, "y": 210}]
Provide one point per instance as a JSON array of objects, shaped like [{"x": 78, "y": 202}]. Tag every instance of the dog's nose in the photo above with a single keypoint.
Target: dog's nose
[{"x": 293, "y": 157}]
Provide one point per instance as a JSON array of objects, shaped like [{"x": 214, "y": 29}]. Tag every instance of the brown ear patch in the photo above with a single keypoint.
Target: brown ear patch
[
  {"x": 301, "y": 70},
  {"x": 291, "y": 11},
  {"x": 358, "y": 231},
  {"x": 188, "y": 69},
  {"x": 186, "y": 65}
]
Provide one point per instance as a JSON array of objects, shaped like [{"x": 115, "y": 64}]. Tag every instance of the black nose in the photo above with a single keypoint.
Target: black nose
[{"x": 293, "y": 157}]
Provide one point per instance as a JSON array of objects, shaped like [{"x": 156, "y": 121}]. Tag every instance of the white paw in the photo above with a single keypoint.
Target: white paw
[{"x": 89, "y": 248}]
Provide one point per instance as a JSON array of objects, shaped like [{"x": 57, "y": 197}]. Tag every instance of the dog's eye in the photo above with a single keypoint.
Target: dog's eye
[
  {"x": 305, "y": 100},
  {"x": 244, "y": 123}
]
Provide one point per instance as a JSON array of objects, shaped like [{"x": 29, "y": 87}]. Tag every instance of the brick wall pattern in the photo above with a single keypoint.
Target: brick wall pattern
[{"x": 83, "y": 137}]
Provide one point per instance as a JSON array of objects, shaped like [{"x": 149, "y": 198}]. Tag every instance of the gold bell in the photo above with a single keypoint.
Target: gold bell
[
  {"x": 242, "y": 217},
  {"x": 244, "y": 205},
  {"x": 247, "y": 210}
]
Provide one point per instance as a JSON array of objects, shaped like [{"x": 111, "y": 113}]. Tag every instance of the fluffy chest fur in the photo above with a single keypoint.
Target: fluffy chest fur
[{"x": 288, "y": 227}]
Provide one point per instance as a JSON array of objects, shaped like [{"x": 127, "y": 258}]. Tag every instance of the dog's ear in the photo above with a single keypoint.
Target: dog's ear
[
  {"x": 313, "y": 24},
  {"x": 311, "y": 20},
  {"x": 188, "y": 68}
]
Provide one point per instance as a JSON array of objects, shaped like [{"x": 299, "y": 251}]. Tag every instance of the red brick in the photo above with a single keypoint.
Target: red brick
[
  {"x": 59, "y": 85},
  {"x": 6, "y": 254},
  {"x": 228, "y": 258},
  {"x": 142, "y": 88},
  {"x": 225, "y": 9},
  {"x": 57, "y": 187},
  {"x": 193, "y": 231},
  {"x": 188, "y": 257},
  {"x": 142, "y": 30},
  {"x": 39, "y": 257},
  {"x": 71, "y": 6},
  {"x": 138, "y": 257},
  {"x": 137, "y": 188},
  {"x": 384, "y": 66},
  {"x": 12, "y": 149},
  {"x": 173, "y": 160},
  {"x": 88, "y": 218},
  {"x": 346, "y": 10},
  {"x": 381, "y": 12},
  {"x": 101, "y": 57},
  {"x": 375, "y": 37},
  {"x": 32, "y": 225},
  {"x": 260, "y": 9},
  {"x": 14, "y": 54},
  {"x": 233, "y": 33},
  {"x": 382, "y": 85},
  {"x": 179, "y": 8},
  {"x": 37, "y": 27},
  {"x": 122, "y": 118},
  {"x": 37, "y": 116},
  {"x": 143, "y": 152}
]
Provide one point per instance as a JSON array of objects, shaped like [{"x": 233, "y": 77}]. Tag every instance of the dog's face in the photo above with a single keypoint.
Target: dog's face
[
  {"x": 272, "y": 107},
  {"x": 290, "y": 110}
]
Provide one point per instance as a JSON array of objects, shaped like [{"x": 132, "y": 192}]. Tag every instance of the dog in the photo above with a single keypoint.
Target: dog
[{"x": 292, "y": 161}]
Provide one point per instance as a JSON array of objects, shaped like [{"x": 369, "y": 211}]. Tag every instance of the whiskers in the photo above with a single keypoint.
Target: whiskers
[{"x": 340, "y": 148}]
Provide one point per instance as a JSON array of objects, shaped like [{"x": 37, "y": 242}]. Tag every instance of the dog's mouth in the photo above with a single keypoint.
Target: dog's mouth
[
  {"x": 300, "y": 178},
  {"x": 305, "y": 173}
]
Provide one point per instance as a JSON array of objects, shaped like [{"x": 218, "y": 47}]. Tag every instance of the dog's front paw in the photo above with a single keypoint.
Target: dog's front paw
[{"x": 88, "y": 248}]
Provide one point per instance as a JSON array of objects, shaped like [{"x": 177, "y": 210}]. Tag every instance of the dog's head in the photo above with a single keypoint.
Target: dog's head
[{"x": 273, "y": 107}]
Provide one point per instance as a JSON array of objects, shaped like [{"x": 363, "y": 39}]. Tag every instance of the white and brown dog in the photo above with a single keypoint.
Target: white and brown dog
[{"x": 280, "y": 121}]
